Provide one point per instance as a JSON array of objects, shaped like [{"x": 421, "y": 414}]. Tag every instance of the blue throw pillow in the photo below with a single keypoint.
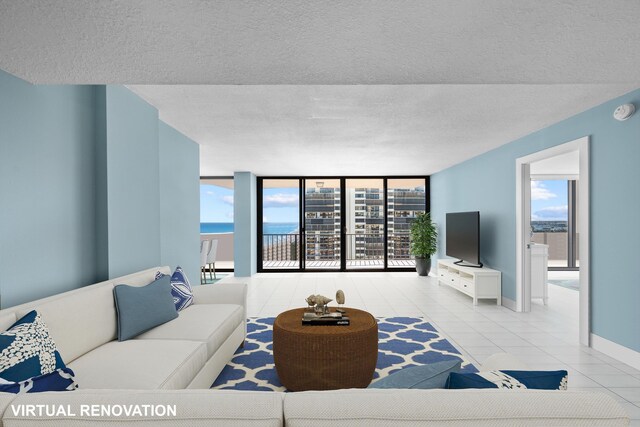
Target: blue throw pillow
[
  {"x": 541, "y": 380},
  {"x": 27, "y": 350},
  {"x": 58, "y": 380},
  {"x": 180, "y": 288},
  {"x": 142, "y": 308},
  {"x": 433, "y": 375}
]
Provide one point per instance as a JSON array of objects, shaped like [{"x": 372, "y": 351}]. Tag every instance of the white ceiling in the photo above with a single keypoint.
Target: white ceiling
[
  {"x": 361, "y": 130},
  {"x": 321, "y": 87},
  {"x": 320, "y": 42}
]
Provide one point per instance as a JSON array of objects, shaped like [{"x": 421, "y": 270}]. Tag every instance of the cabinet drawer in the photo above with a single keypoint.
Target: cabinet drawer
[
  {"x": 451, "y": 280},
  {"x": 466, "y": 286}
]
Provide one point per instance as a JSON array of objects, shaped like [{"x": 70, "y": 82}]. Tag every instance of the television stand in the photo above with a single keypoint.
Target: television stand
[
  {"x": 461, "y": 264},
  {"x": 478, "y": 283}
]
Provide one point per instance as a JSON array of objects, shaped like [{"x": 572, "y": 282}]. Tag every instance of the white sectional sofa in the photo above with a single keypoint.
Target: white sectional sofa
[
  {"x": 343, "y": 408},
  {"x": 187, "y": 352},
  {"x": 164, "y": 366}
]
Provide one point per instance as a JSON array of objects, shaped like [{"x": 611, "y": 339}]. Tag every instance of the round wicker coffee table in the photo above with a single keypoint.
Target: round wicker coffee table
[{"x": 325, "y": 357}]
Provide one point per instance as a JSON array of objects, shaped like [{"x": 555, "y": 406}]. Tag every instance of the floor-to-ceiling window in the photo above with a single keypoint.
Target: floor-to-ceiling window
[
  {"x": 279, "y": 225},
  {"x": 406, "y": 198},
  {"x": 338, "y": 223},
  {"x": 216, "y": 217},
  {"x": 554, "y": 220}
]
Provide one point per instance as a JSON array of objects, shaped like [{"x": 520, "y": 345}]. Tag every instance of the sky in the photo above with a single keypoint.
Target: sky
[
  {"x": 548, "y": 203},
  {"x": 549, "y": 200},
  {"x": 216, "y": 204},
  {"x": 280, "y": 205}
]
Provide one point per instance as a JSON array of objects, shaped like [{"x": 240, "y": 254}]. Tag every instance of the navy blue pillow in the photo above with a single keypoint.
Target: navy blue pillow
[
  {"x": 141, "y": 308},
  {"x": 58, "y": 380},
  {"x": 27, "y": 350},
  {"x": 180, "y": 288},
  {"x": 541, "y": 380},
  {"x": 432, "y": 375}
]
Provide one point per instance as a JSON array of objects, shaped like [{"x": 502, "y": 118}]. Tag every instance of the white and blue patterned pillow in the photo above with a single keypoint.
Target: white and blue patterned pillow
[
  {"x": 511, "y": 380},
  {"x": 58, "y": 380},
  {"x": 180, "y": 289},
  {"x": 27, "y": 350}
]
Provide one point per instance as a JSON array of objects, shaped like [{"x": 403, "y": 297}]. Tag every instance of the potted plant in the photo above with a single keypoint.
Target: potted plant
[{"x": 423, "y": 242}]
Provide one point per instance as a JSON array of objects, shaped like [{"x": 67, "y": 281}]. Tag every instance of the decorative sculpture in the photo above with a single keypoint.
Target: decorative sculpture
[
  {"x": 311, "y": 301},
  {"x": 319, "y": 301},
  {"x": 340, "y": 300}
]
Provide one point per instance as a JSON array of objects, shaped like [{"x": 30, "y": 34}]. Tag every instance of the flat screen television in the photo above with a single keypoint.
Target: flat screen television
[{"x": 463, "y": 238}]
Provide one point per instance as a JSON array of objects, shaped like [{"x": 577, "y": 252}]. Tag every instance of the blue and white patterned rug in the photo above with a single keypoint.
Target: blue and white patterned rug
[{"x": 402, "y": 342}]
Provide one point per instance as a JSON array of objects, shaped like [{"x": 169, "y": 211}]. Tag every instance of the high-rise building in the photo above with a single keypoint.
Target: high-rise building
[
  {"x": 322, "y": 223},
  {"x": 365, "y": 223},
  {"x": 403, "y": 205}
]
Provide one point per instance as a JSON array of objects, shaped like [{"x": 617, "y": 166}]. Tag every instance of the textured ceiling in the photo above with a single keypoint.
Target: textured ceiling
[
  {"x": 361, "y": 130},
  {"x": 326, "y": 87},
  {"x": 321, "y": 42}
]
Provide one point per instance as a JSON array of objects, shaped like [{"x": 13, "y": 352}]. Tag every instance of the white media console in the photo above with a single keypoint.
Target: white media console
[{"x": 478, "y": 283}]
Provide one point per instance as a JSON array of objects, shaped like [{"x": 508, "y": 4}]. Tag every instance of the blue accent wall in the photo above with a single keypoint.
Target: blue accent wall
[
  {"x": 245, "y": 239},
  {"x": 82, "y": 190},
  {"x": 179, "y": 202},
  {"x": 487, "y": 183},
  {"x": 133, "y": 189},
  {"x": 47, "y": 205}
]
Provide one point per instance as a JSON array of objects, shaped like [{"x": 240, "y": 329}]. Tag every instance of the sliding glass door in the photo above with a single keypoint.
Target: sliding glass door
[
  {"x": 338, "y": 223},
  {"x": 364, "y": 223},
  {"x": 406, "y": 198},
  {"x": 322, "y": 224},
  {"x": 279, "y": 226}
]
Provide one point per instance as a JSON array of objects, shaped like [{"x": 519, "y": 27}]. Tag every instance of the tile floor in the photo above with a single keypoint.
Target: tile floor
[{"x": 545, "y": 338}]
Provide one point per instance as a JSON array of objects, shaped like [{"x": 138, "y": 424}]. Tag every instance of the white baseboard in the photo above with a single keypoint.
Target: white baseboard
[
  {"x": 509, "y": 303},
  {"x": 617, "y": 351}
]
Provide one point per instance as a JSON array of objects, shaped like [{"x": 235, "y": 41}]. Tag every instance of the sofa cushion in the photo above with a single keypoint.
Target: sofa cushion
[
  {"x": 81, "y": 321},
  {"x": 140, "y": 364},
  {"x": 142, "y": 308},
  {"x": 85, "y": 318},
  {"x": 207, "y": 323},
  {"x": 27, "y": 350},
  {"x": 382, "y": 408},
  {"x": 433, "y": 375},
  {"x": 180, "y": 288},
  {"x": 511, "y": 380},
  {"x": 210, "y": 408}
]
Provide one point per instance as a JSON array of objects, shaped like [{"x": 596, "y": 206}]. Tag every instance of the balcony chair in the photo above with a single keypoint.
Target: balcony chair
[
  {"x": 211, "y": 258},
  {"x": 204, "y": 253}
]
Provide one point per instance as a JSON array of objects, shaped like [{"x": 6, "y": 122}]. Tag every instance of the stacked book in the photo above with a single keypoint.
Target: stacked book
[{"x": 325, "y": 319}]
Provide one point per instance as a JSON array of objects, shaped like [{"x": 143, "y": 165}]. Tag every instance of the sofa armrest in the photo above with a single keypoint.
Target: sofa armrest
[{"x": 231, "y": 293}]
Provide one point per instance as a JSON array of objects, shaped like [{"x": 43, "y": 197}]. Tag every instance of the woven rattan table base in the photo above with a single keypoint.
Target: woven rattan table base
[{"x": 325, "y": 357}]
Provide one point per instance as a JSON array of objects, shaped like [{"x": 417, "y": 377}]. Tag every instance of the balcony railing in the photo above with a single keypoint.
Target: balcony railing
[
  {"x": 323, "y": 250},
  {"x": 558, "y": 246}
]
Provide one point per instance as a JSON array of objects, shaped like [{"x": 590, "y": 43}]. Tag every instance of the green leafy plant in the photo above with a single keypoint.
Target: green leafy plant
[{"x": 424, "y": 236}]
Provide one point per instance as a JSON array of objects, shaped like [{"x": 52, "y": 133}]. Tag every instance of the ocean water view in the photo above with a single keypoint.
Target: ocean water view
[
  {"x": 216, "y": 227},
  {"x": 268, "y": 227}
]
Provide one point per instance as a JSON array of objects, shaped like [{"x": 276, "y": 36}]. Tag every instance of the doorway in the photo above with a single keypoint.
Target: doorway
[
  {"x": 563, "y": 228},
  {"x": 338, "y": 223}
]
